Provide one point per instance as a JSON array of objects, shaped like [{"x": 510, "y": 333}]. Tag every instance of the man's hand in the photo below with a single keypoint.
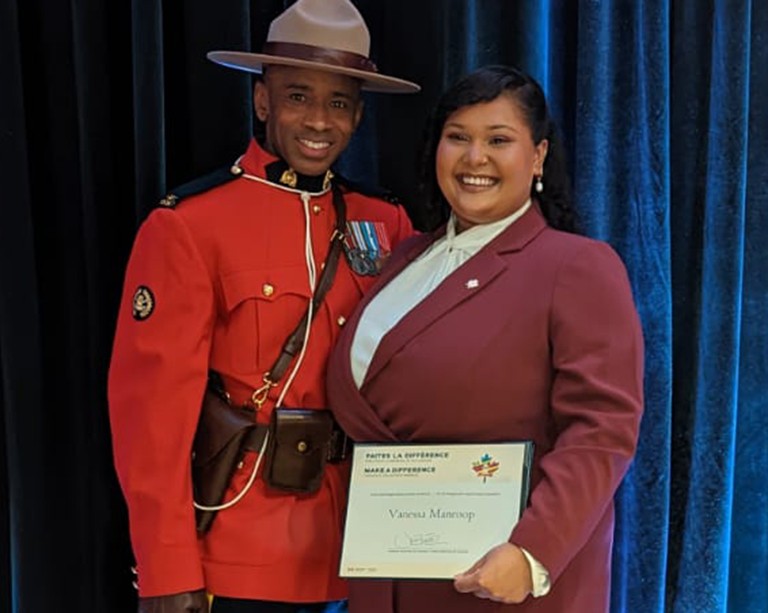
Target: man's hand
[
  {"x": 186, "y": 602},
  {"x": 503, "y": 575}
]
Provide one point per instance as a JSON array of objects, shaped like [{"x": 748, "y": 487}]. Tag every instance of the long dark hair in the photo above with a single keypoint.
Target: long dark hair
[{"x": 485, "y": 85}]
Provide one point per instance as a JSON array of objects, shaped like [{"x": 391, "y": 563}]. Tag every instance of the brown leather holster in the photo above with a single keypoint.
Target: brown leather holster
[{"x": 224, "y": 433}]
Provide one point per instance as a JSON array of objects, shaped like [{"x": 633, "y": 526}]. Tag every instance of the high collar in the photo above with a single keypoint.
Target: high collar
[{"x": 259, "y": 162}]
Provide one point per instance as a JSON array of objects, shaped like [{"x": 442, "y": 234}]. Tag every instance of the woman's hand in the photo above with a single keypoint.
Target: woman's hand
[{"x": 503, "y": 575}]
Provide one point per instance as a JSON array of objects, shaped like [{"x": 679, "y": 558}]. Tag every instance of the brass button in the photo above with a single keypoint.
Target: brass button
[
  {"x": 302, "y": 446},
  {"x": 341, "y": 320},
  {"x": 317, "y": 209},
  {"x": 267, "y": 289}
]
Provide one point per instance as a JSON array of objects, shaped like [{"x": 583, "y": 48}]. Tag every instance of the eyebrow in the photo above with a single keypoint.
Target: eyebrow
[
  {"x": 297, "y": 86},
  {"x": 498, "y": 126},
  {"x": 503, "y": 126}
]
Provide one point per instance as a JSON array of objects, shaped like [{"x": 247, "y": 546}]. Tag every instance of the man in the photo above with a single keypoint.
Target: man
[{"x": 218, "y": 279}]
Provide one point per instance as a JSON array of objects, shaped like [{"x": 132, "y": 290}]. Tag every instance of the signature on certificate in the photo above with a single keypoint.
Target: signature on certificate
[{"x": 404, "y": 540}]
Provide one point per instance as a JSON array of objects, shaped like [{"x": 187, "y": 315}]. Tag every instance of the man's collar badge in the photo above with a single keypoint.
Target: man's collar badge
[{"x": 290, "y": 179}]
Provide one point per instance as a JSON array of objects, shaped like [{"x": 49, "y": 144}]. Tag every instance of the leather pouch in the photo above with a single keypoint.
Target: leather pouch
[{"x": 298, "y": 450}]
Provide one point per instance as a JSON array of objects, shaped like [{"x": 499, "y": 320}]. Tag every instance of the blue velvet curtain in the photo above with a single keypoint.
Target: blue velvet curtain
[
  {"x": 666, "y": 119},
  {"x": 663, "y": 106}
]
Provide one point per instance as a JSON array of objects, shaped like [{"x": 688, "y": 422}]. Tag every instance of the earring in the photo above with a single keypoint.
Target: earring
[{"x": 539, "y": 185}]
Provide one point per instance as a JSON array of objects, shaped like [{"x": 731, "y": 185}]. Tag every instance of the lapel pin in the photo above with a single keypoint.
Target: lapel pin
[{"x": 472, "y": 283}]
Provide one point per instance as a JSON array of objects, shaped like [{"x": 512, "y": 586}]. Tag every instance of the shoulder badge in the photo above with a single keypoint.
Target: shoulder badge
[
  {"x": 200, "y": 185},
  {"x": 143, "y": 303}
]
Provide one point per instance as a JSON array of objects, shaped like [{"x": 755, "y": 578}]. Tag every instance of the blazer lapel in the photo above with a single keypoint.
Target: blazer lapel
[
  {"x": 467, "y": 281},
  {"x": 359, "y": 419}
]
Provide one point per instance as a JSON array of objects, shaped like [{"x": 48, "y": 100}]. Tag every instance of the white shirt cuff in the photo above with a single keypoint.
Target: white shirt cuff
[{"x": 539, "y": 576}]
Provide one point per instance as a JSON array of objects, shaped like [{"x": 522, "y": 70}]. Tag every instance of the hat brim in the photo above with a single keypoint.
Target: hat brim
[{"x": 255, "y": 62}]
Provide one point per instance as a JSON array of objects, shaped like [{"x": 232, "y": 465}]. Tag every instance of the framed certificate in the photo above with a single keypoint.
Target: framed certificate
[{"x": 431, "y": 511}]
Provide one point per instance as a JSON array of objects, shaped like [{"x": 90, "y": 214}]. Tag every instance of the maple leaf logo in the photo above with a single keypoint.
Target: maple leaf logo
[{"x": 485, "y": 467}]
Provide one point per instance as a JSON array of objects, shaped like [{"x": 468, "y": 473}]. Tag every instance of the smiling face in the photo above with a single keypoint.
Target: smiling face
[
  {"x": 486, "y": 161},
  {"x": 310, "y": 115}
]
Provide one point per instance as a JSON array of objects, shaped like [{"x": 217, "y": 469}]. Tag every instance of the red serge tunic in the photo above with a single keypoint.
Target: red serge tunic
[
  {"x": 218, "y": 283},
  {"x": 535, "y": 337}
]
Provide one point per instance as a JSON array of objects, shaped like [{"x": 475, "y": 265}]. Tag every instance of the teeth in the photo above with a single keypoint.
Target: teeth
[
  {"x": 478, "y": 181},
  {"x": 312, "y": 144}
]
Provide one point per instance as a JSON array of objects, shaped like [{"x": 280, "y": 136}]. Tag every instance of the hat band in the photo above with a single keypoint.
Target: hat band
[{"x": 332, "y": 57}]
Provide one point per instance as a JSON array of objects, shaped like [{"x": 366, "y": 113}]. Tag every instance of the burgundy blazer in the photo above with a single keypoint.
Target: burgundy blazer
[{"x": 535, "y": 337}]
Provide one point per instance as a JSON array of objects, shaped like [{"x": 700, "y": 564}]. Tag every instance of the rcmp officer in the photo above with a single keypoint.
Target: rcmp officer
[{"x": 218, "y": 278}]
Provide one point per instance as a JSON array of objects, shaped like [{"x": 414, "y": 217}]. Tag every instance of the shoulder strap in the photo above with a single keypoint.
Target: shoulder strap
[
  {"x": 201, "y": 184},
  {"x": 295, "y": 341}
]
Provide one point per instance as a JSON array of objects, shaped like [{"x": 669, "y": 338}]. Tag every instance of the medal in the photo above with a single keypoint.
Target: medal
[{"x": 366, "y": 246}]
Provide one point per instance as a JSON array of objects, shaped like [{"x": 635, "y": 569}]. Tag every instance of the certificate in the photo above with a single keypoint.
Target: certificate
[{"x": 431, "y": 511}]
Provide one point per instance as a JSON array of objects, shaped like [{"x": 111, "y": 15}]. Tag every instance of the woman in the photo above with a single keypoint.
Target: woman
[{"x": 503, "y": 325}]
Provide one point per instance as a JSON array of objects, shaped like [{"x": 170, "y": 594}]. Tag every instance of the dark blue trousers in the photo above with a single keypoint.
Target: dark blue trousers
[{"x": 234, "y": 605}]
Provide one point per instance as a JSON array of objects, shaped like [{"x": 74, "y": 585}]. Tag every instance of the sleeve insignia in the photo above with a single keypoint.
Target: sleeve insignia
[{"x": 143, "y": 303}]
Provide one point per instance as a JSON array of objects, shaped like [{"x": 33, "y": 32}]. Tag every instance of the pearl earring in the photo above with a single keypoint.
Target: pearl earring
[{"x": 539, "y": 185}]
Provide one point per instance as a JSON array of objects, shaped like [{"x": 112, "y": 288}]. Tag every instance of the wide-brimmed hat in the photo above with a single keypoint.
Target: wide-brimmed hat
[{"x": 328, "y": 35}]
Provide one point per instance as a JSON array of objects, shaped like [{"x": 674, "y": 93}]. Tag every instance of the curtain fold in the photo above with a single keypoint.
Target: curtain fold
[
  {"x": 20, "y": 357},
  {"x": 621, "y": 169},
  {"x": 662, "y": 109},
  {"x": 748, "y": 569},
  {"x": 148, "y": 103},
  {"x": 711, "y": 129}
]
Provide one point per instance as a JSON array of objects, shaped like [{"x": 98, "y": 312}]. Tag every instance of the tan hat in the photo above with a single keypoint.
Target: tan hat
[{"x": 327, "y": 35}]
